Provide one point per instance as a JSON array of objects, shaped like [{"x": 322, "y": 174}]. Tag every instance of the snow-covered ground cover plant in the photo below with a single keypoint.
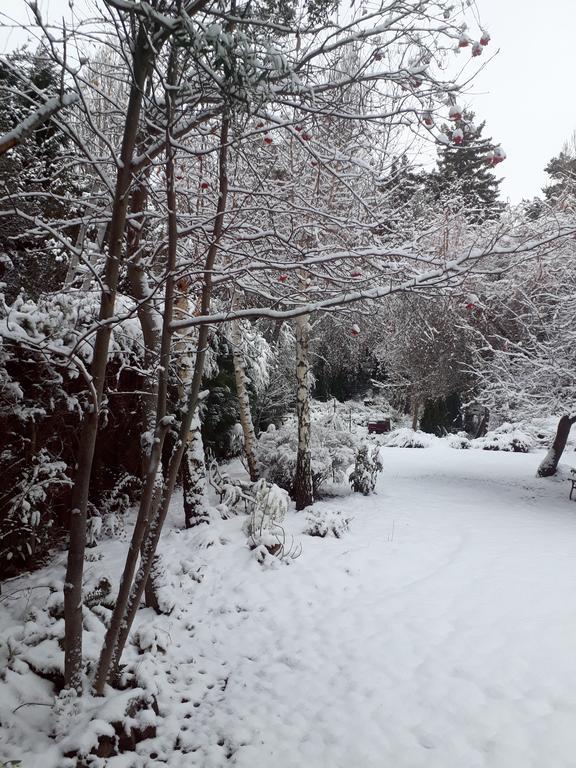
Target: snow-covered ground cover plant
[
  {"x": 438, "y": 632},
  {"x": 325, "y": 521}
]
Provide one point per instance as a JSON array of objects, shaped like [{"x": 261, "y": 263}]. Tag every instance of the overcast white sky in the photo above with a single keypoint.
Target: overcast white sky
[{"x": 526, "y": 93}]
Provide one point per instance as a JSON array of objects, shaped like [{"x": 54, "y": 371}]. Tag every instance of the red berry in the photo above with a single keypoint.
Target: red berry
[
  {"x": 283, "y": 278},
  {"x": 267, "y": 139}
]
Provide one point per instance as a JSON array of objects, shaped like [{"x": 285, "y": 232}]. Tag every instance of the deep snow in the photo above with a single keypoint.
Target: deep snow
[{"x": 439, "y": 632}]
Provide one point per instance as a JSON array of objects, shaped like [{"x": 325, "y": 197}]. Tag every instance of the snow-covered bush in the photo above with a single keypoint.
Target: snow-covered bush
[
  {"x": 409, "y": 438},
  {"x": 266, "y": 536},
  {"x": 326, "y": 522},
  {"x": 269, "y": 510},
  {"x": 333, "y": 451},
  {"x": 26, "y": 524},
  {"x": 506, "y": 437},
  {"x": 368, "y": 464},
  {"x": 458, "y": 441},
  {"x": 43, "y": 392}
]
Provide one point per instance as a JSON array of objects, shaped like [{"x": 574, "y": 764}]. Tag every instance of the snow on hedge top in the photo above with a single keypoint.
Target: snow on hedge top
[
  {"x": 408, "y": 438},
  {"x": 506, "y": 437}
]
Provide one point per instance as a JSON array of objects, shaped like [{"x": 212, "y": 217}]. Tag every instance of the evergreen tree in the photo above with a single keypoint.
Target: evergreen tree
[
  {"x": 465, "y": 169},
  {"x": 404, "y": 189},
  {"x": 562, "y": 170},
  {"x": 36, "y": 180}
]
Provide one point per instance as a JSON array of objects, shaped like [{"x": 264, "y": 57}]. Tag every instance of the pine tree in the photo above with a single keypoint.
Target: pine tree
[{"x": 465, "y": 169}]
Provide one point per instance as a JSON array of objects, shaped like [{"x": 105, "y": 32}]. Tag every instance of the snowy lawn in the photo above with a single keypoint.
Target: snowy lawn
[{"x": 439, "y": 632}]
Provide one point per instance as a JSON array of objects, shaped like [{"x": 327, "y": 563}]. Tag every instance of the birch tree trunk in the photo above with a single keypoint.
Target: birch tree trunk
[
  {"x": 141, "y": 65},
  {"x": 244, "y": 400},
  {"x": 194, "y": 477},
  {"x": 193, "y": 462},
  {"x": 302, "y": 491}
]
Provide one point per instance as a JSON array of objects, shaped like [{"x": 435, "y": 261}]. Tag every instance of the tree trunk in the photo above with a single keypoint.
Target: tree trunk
[
  {"x": 153, "y": 520},
  {"x": 75, "y": 568},
  {"x": 483, "y": 424},
  {"x": 194, "y": 477},
  {"x": 244, "y": 400},
  {"x": 549, "y": 464},
  {"x": 149, "y": 318},
  {"x": 415, "y": 411},
  {"x": 302, "y": 491}
]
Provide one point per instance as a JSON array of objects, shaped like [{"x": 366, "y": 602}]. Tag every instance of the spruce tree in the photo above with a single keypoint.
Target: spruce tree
[{"x": 465, "y": 171}]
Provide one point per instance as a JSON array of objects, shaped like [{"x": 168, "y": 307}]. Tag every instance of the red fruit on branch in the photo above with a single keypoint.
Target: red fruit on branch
[
  {"x": 356, "y": 273},
  {"x": 204, "y": 185},
  {"x": 282, "y": 278},
  {"x": 498, "y": 156},
  {"x": 268, "y": 140},
  {"x": 485, "y": 39},
  {"x": 455, "y": 112}
]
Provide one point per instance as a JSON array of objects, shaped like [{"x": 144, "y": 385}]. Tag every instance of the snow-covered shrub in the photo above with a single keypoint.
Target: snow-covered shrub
[
  {"x": 270, "y": 507},
  {"x": 506, "y": 437},
  {"x": 44, "y": 349},
  {"x": 409, "y": 438},
  {"x": 363, "y": 476},
  {"x": 26, "y": 525},
  {"x": 459, "y": 441},
  {"x": 267, "y": 537},
  {"x": 333, "y": 452},
  {"x": 327, "y": 522}
]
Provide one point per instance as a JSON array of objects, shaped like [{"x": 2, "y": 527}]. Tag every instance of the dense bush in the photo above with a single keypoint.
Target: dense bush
[
  {"x": 408, "y": 438},
  {"x": 506, "y": 437},
  {"x": 366, "y": 468},
  {"x": 333, "y": 451},
  {"x": 42, "y": 397}
]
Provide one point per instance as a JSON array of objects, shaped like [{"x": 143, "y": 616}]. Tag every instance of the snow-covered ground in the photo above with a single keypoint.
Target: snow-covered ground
[{"x": 439, "y": 632}]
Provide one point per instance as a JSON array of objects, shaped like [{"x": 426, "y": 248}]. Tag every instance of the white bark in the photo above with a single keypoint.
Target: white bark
[
  {"x": 302, "y": 487},
  {"x": 244, "y": 400}
]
